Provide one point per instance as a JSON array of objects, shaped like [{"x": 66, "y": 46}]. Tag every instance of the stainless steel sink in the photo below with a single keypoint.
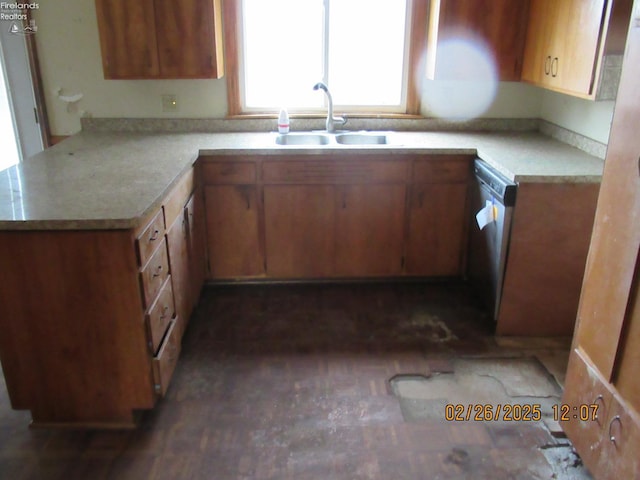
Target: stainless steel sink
[
  {"x": 303, "y": 139},
  {"x": 361, "y": 139}
]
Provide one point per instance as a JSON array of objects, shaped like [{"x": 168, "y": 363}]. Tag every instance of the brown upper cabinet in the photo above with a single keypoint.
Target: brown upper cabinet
[
  {"x": 160, "y": 39},
  {"x": 576, "y": 46},
  {"x": 499, "y": 24}
]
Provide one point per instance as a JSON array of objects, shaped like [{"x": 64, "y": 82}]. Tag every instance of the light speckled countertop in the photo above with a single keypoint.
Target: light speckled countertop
[{"x": 112, "y": 180}]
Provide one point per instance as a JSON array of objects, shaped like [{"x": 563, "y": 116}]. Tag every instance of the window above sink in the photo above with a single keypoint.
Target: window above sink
[{"x": 370, "y": 64}]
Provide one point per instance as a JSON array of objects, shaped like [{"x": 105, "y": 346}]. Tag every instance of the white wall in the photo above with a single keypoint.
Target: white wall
[
  {"x": 588, "y": 118},
  {"x": 69, "y": 50}
]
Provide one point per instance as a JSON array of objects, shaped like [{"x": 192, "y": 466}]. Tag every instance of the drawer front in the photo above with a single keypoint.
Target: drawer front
[
  {"x": 150, "y": 238},
  {"x": 446, "y": 168},
  {"x": 177, "y": 198},
  {"x": 238, "y": 172},
  {"x": 165, "y": 362},
  {"x": 160, "y": 315},
  {"x": 344, "y": 171},
  {"x": 154, "y": 274}
]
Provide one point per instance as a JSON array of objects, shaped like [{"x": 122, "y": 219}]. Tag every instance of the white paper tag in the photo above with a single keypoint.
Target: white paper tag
[{"x": 486, "y": 215}]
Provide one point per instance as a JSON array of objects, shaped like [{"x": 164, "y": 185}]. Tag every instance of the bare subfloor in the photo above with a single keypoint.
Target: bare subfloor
[{"x": 326, "y": 382}]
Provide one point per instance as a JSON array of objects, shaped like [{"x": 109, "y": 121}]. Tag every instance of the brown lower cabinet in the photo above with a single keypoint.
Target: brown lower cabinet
[
  {"x": 233, "y": 231},
  {"x": 347, "y": 216},
  {"x": 91, "y": 331},
  {"x": 300, "y": 230},
  {"x": 369, "y": 230}
]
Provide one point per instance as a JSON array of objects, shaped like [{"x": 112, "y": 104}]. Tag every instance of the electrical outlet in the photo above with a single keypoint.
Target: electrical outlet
[{"x": 169, "y": 103}]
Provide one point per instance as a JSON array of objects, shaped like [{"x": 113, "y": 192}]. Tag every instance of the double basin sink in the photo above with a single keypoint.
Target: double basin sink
[{"x": 349, "y": 138}]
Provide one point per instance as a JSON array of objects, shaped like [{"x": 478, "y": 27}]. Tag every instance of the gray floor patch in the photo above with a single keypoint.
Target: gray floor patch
[{"x": 478, "y": 381}]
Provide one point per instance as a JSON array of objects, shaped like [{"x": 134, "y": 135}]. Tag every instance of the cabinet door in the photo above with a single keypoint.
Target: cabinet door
[
  {"x": 436, "y": 237},
  {"x": 501, "y": 24},
  {"x": 127, "y": 38},
  {"x": 197, "y": 257},
  {"x": 607, "y": 288},
  {"x": 233, "y": 242},
  {"x": 537, "y": 56},
  {"x": 576, "y": 42},
  {"x": 584, "y": 386},
  {"x": 177, "y": 238},
  {"x": 187, "y": 42},
  {"x": 299, "y": 229},
  {"x": 563, "y": 41},
  {"x": 369, "y": 230}
]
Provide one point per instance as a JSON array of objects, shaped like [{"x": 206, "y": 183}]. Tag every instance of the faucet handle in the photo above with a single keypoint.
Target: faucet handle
[{"x": 340, "y": 120}]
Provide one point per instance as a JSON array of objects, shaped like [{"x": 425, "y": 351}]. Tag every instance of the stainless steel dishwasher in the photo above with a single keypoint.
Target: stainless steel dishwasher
[{"x": 489, "y": 246}]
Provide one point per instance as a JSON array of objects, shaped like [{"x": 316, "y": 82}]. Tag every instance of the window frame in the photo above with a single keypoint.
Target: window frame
[{"x": 417, "y": 48}]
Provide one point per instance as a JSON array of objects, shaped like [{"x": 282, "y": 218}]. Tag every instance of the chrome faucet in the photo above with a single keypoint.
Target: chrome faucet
[{"x": 331, "y": 120}]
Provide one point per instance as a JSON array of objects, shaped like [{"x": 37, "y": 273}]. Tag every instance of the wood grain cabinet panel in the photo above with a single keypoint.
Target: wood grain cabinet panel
[
  {"x": 196, "y": 237},
  {"x": 608, "y": 332},
  {"x": 233, "y": 241},
  {"x": 228, "y": 172},
  {"x": 188, "y": 38},
  {"x": 550, "y": 231},
  {"x": 500, "y": 25},
  {"x": 79, "y": 354},
  {"x": 150, "y": 238},
  {"x": 300, "y": 230},
  {"x": 160, "y": 315},
  {"x": 154, "y": 273},
  {"x": 160, "y": 38},
  {"x": 128, "y": 38},
  {"x": 369, "y": 230},
  {"x": 164, "y": 364},
  {"x": 436, "y": 238},
  {"x": 567, "y": 42},
  {"x": 590, "y": 389},
  {"x": 178, "y": 242}
]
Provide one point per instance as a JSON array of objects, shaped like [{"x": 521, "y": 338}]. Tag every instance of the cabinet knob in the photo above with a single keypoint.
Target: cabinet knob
[
  {"x": 554, "y": 67},
  {"x": 154, "y": 235},
  {"x": 547, "y": 65},
  {"x": 157, "y": 272},
  {"x": 614, "y": 420}
]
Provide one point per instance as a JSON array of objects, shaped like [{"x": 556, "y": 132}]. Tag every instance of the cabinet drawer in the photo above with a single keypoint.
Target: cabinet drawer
[
  {"x": 165, "y": 362},
  {"x": 178, "y": 197},
  {"x": 442, "y": 169},
  {"x": 344, "y": 171},
  {"x": 237, "y": 172},
  {"x": 160, "y": 315},
  {"x": 150, "y": 238},
  {"x": 154, "y": 274}
]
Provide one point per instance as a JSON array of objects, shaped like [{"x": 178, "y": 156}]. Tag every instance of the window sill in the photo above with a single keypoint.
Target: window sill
[{"x": 311, "y": 116}]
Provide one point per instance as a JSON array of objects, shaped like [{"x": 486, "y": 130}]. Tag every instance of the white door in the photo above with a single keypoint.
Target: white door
[{"x": 17, "y": 101}]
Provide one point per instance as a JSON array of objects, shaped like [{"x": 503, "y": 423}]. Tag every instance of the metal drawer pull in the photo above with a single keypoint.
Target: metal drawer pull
[
  {"x": 599, "y": 398},
  {"x": 154, "y": 235},
  {"x": 157, "y": 272},
  {"x": 164, "y": 312},
  {"x": 612, "y": 437}
]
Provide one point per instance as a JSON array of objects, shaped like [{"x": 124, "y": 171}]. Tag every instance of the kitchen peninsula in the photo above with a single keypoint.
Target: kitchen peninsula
[{"x": 109, "y": 237}]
